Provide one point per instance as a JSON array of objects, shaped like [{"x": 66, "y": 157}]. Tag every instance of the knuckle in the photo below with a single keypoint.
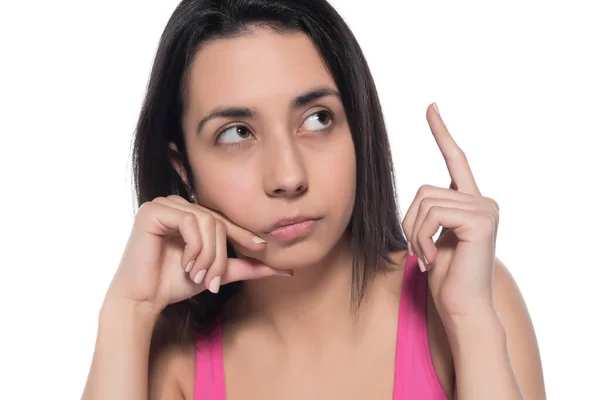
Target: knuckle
[
  {"x": 426, "y": 204},
  {"x": 424, "y": 190},
  {"x": 458, "y": 153},
  {"x": 493, "y": 209},
  {"x": 220, "y": 226},
  {"x": 189, "y": 218},
  {"x": 495, "y": 216},
  {"x": 434, "y": 211},
  {"x": 146, "y": 209},
  {"x": 486, "y": 221},
  {"x": 206, "y": 219},
  {"x": 405, "y": 226},
  {"x": 493, "y": 203}
]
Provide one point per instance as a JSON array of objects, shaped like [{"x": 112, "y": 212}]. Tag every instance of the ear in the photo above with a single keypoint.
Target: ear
[{"x": 177, "y": 163}]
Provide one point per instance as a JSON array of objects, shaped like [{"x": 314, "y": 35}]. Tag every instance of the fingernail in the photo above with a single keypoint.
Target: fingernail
[
  {"x": 421, "y": 265},
  {"x": 188, "y": 268},
  {"x": 258, "y": 240},
  {"x": 287, "y": 273},
  {"x": 215, "y": 284},
  {"x": 410, "y": 250},
  {"x": 435, "y": 107},
  {"x": 425, "y": 259},
  {"x": 199, "y": 276}
]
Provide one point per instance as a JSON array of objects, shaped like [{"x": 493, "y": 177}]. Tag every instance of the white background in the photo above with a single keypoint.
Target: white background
[{"x": 517, "y": 83}]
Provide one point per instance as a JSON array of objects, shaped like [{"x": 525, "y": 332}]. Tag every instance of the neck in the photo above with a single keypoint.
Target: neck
[{"x": 314, "y": 302}]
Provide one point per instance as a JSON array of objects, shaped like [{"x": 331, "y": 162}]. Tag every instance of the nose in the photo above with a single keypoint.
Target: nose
[{"x": 285, "y": 173}]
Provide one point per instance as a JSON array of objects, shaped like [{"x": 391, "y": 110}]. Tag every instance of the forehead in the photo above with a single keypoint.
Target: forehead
[{"x": 260, "y": 68}]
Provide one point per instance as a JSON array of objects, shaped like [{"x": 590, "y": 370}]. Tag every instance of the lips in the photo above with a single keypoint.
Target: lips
[
  {"x": 288, "y": 222},
  {"x": 293, "y": 230}
]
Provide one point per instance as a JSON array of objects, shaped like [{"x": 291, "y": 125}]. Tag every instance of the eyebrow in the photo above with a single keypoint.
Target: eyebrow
[{"x": 245, "y": 112}]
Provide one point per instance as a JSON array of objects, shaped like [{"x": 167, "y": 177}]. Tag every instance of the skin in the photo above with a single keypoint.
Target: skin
[
  {"x": 296, "y": 338},
  {"x": 274, "y": 168}
]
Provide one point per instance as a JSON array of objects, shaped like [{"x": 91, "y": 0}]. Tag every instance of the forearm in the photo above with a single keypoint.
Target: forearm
[
  {"x": 119, "y": 367},
  {"x": 481, "y": 360}
]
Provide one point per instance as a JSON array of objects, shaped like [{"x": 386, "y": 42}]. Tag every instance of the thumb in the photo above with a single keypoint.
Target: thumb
[{"x": 240, "y": 269}]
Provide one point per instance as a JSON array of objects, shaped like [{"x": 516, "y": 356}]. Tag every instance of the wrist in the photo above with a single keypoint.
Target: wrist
[
  {"x": 479, "y": 329},
  {"x": 479, "y": 315},
  {"x": 481, "y": 360},
  {"x": 119, "y": 310}
]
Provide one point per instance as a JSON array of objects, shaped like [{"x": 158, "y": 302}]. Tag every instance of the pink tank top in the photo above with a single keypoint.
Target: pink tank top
[{"x": 414, "y": 375}]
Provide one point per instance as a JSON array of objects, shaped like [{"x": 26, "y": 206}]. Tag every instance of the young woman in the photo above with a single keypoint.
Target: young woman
[{"x": 267, "y": 259}]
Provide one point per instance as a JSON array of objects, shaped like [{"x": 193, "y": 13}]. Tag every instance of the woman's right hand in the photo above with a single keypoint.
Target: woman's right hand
[{"x": 176, "y": 250}]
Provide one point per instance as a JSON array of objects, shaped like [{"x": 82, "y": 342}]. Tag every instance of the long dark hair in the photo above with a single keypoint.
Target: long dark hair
[{"x": 374, "y": 226}]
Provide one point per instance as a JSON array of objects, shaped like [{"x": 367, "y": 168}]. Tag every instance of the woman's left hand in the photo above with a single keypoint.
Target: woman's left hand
[{"x": 460, "y": 263}]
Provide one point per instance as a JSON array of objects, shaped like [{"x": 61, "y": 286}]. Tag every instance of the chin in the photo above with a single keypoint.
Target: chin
[{"x": 298, "y": 254}]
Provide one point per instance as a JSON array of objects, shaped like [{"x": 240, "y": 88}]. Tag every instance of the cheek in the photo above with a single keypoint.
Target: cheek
[
  {"x": 228, "y": 189},
  {"x": 336, "y": 174}
]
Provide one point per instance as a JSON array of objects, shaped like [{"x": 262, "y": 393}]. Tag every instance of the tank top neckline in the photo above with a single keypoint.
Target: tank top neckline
[{"x": 412, "y": 358}]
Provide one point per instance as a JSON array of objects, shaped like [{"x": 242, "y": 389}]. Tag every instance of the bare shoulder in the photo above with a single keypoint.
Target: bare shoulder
[
  {"x": 171, "y": 372},
  {"x": 520, "y": 335}
]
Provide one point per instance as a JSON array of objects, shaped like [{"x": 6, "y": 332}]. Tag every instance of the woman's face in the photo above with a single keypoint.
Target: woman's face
[{"x": 264, "y": 149}]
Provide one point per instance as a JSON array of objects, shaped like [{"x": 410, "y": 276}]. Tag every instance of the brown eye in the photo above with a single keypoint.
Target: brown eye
[
  {"x": 318, "y": 121},
  {"x": 235, "y": 134}
]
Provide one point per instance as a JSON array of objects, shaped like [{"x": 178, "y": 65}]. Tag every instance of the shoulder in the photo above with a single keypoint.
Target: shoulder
[
  {"x": 510, "y": 304},
  {"x": 520, "y": 335},
  {"x": 507, "y": 296},
  {"x": 171, "y": 372}
]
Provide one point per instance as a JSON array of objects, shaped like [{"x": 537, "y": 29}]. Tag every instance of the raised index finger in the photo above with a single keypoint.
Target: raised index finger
[{"x": 455, "y": 158}]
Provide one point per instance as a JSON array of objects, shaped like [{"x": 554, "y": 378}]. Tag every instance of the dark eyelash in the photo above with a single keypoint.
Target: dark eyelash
[
  {"x": 218, "y": 135},
  {"x": 331, "y": 121},
  {"x": 237, "y": 144}
]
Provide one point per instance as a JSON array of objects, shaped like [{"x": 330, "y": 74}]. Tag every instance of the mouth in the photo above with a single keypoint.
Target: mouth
[{"x": 293, "y": 228}]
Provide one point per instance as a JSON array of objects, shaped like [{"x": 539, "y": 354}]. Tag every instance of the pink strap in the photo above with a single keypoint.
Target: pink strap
[
  {"x": 210, "y": 374},
  {"x": 415, "y": 375}
]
